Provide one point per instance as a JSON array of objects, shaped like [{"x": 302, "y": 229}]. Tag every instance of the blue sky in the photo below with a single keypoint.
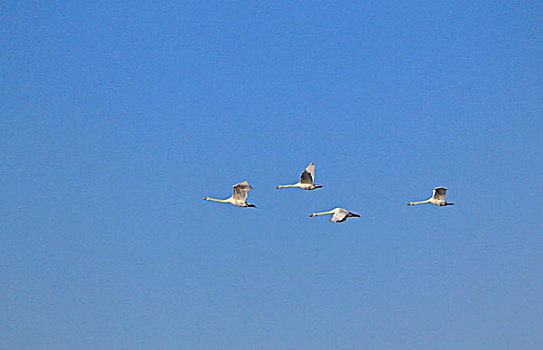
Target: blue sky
[{"x": 117, "y": 119}]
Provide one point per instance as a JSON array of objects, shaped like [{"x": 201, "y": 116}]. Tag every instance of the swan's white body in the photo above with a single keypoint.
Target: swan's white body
[
  {"x": 438, "y": 198},
  {"x": 306, "y": 180},
  {"x": 239, "y": 196},
  {"x": 340, "y": 214}
]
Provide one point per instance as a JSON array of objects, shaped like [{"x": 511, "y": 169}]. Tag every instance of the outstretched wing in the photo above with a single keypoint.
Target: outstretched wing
[
  {"x": 241, "y": 190},
  {"x": 340, "y": 215},
  {"x": 440, "y": 193},
  {"x": 308, "y": 176}
]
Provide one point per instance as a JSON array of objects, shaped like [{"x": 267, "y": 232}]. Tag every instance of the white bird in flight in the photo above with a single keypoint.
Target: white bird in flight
[
  {"x": 438, "y": 198},
  {"x": 340, "y": 214},
  {"x": 306, "y": 180},
  {"x": 239, "y": 196}
]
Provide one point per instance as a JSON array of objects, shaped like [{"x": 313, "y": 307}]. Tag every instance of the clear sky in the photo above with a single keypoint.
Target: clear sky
[{"x": 117, "y": 119}]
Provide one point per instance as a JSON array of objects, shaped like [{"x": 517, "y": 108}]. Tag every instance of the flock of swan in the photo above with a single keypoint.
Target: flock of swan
[{"x": 307, "y": 182}]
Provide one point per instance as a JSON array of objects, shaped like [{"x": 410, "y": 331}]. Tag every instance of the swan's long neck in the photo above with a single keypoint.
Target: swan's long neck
[
  {"x": 217, "y": 200},
  {"x": 421, "y": 202},
  {"x": 287, "y": 186},
  {"x": 323, "y": 213}
]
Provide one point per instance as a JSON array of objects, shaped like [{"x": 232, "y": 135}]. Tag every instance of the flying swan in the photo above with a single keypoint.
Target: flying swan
[
  {"x": 340, "y": 214},
  {"x": 239, "y": 196},
  {"x": 306, "y": 180},
  {"x": 438, "y": 198}
]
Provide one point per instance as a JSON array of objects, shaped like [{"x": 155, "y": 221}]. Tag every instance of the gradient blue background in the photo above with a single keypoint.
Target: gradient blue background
[{"x": 117, "y": 119}]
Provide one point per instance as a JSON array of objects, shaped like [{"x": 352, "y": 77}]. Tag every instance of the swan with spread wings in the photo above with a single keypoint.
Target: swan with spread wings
[{"x": 306, "y": 180}]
